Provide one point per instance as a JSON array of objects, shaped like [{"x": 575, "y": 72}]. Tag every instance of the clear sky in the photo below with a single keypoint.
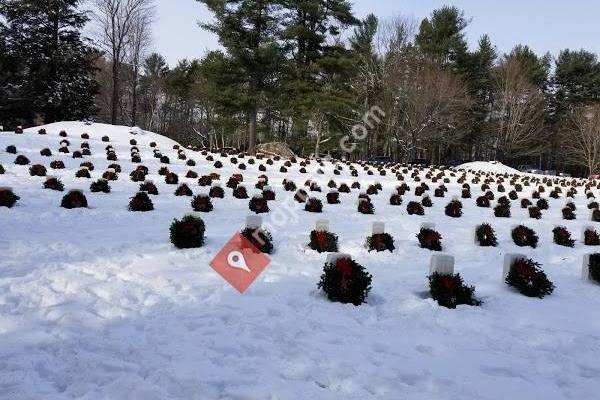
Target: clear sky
[{"x": 545, "y": 25}]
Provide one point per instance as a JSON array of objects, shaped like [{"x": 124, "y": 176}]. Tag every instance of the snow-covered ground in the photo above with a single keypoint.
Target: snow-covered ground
[{"x": 97, "y": 304}]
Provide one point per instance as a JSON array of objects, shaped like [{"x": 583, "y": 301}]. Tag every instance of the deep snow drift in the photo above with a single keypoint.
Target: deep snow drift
[{"x": 97, "y": 304}]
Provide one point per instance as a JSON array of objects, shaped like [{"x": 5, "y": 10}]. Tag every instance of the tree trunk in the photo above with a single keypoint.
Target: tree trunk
[
  {"x": 252, "y": 117},
  {"x": 134, "y": 96},
  {"x": 115, "y": 94}
]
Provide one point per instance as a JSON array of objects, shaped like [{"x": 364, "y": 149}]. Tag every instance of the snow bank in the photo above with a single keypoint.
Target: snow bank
[{"x": 489, "y": 166}]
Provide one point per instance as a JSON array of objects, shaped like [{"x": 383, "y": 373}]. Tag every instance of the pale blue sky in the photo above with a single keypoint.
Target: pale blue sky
[{"x": 545, "y": 25}]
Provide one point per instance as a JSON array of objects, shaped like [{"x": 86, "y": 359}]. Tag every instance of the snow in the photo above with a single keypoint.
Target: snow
[
  {"x": 97, "y": 304},
  {"x": 489, "y": 166}
]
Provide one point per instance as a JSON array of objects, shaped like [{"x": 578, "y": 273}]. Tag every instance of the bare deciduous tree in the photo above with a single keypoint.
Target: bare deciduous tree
[
  {"x": 141, "y": 39},
  {"x": 116, "y": 21},
  {"x": 582, "y": 141},
  {"x": 518, "y": 114}
]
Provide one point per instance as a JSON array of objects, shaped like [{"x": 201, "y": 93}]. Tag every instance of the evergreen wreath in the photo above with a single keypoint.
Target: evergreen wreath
[
  {"x": 380, "y": 242},
  {"x": 344, "y": 188},
  {"x": 513, "y": 195},
  {"x": 596, "y": 215},
  {"x": 83, "y": 173},
  {"x": 11, "y": 149},
  {"x": 345, "y": 281},
  {"x": 202, "y": 203},
  {"x": 268, "y": 194},
  {"x": 365, "y": 206},
  {"x": 426, "y": 202},
  {"x": 137, "y": 175},
  {"x": 232, "y": 182},
  {"x": 483, "y": 201},
  {"x": 206, "y": 180},
  {"x": 46, "y": 152},
  {"x": 163, "y": 171},
  {"x": 110, "y": 175},
  {"x": 430, "y": 239},
  {"x": 562, "y": 237},
  {"x": 593, "y": 205},
  {"x": 372, "y": 190},
  {"x": 542, "y": 204},
  {"x": 8, "y": 198},
  {"x": 313, "y": 205},
  {"x": 396, "y": 199},
  {"x": 323, "y": 241},
  {"x": 21, "y": 160},
  {"x": 116, "y": 167},
  {"x": 187, "y": 233},
  {"x": 535, "y": 212},
  {"x": 289, "y": 186},
  {"x": 53, "y": 183},
  {"x": 171, "y": 178},
  {"x": 529, "y": 279},
  {"x": 149, "y": 187},
  {"x": 502, "y": 211},
  {"x": 258, "y": 204},
  {"x": 486, "y": 236},
  {"x": 466, "y": 194},
  {"x": 74, "y": 199},
  {"x": 525, "y": 203},
  {"x": 101, "y": 185},
  {"x": 454, "y": 209},
  {"x": 37, "y": 170},
  {"x": 524, "y": 236},
  {"x": 595, "y": 267},
  {"x": 141, "y": 203},
  {"x": 591, "y": 237},
  {"x": 191, "y": 174},
  {"x": 333, "y": 197},
  {"x": 568, "y": 213},
  {"x": 450, "y": 291},
  {"x": 414, "y": 208},
  {"x": 2, "y": 170},
  {"x": 260, "y": 238},
  {"x": 216, "y": 192},
  {"x": 183, "y": 190},
  {"x": 240, "y": 192},
  {"x": 301, "y": 196},
  {"x": 58, "y": 164}
]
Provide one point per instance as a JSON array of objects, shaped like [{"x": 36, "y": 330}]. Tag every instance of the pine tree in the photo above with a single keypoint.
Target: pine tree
[
  {"x": 55, "y": 67},
  {"x": 442, "y": 38},
  {"x": 320, "y": 71},
  {"x": 249, "y": 30}
]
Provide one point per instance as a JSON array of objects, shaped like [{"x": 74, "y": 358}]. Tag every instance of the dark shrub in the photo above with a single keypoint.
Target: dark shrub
[{"x": 187, "y": 233}]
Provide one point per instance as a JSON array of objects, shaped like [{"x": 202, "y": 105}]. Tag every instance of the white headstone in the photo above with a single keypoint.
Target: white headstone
[
  {"x": 193, "y": 214},
  {"x": 322, "y": 225},
  {"x": 585, "y": 270},
  {"x": 253, "y": 222},
  {"x": 584, "y": 230},
  {"x": 443, "y": 264},
  {"x": 509, "y": 260},
  {"x": 333, "y": 257},
  {"x": 428, "y": 225},
  {"x": 377, "y": 228}
]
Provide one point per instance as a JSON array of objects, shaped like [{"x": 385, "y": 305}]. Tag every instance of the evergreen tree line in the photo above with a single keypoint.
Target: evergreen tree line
[{"x": 305, "y": 73}]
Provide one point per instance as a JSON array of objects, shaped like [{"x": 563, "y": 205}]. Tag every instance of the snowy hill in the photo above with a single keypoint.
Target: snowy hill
[{"x": 96, "y": 303}]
